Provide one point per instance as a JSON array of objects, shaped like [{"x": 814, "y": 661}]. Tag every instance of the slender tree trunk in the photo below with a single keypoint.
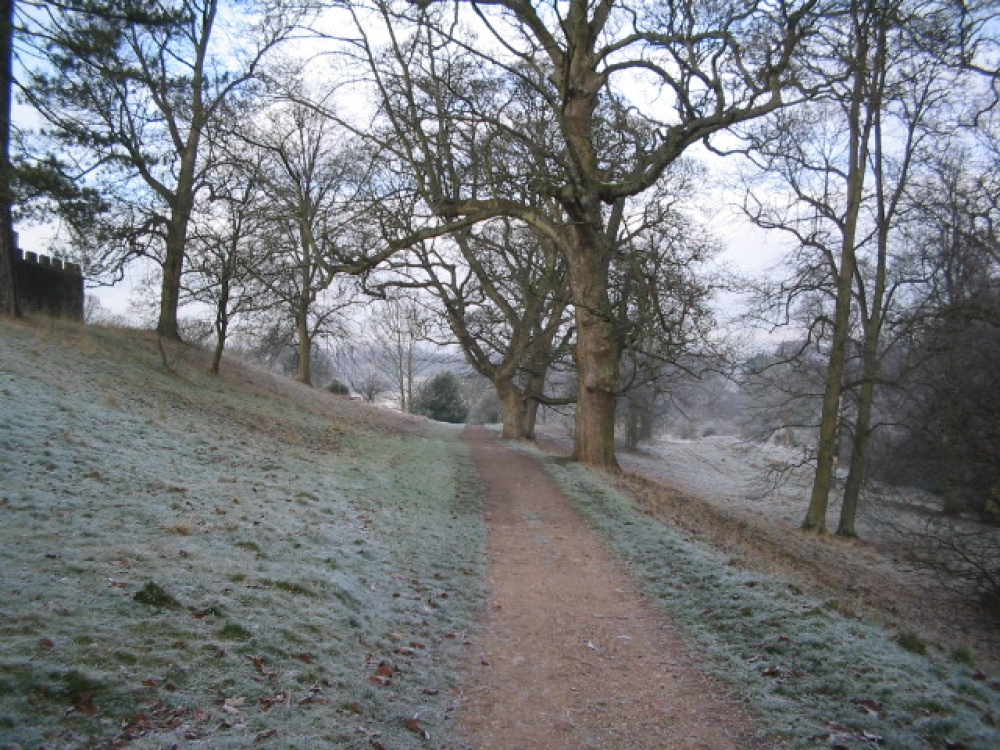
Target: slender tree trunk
[
  {"x": 826, "y": 457},
  {"x": 9, "y": 303},
  {"x": 220, "y": 346},
  {"x": 597, "y": 350},
  {"x": 221, "y": 326},
  {"x": 870, "y": 364},
  {"x": 859, "y": 123},
  {"x": 305, "y": 347},
  {"x": 860, "y": 446}
]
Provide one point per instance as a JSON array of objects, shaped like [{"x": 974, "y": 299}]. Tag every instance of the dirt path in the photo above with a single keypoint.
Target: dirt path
[{"x": 570, "y": 655}]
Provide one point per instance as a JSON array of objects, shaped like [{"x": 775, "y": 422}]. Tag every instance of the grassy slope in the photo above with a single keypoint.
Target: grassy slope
[
  {"x": 815, "y": 675},
  {"x": 312, "y": 548}
]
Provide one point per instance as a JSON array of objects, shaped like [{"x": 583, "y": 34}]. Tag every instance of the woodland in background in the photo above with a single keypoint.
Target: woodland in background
[{"x": 369, "y": 191}]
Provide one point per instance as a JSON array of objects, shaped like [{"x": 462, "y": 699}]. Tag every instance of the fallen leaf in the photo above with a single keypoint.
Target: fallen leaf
[
  {"x": 870, "y": 707},
  {"x": 305, "y": 658},
  {"x": 354, "y": 707},
  {"x": 771, "y": 672},
  {"x": 258, "y": 664},
  {"x": 384, "y": 670},
  {"x": 47, "y": 643},
  {"x": 150, "y": 682},
  {"x": 414, "y": 726},
  {"x": 85, "y": 703},
  {"x": 265, "y": 734}
]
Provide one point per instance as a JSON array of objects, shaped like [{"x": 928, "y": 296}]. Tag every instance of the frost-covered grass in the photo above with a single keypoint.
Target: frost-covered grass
[
  {"x": 815, "y": 674},
  {"x": 221, "y": 562}
]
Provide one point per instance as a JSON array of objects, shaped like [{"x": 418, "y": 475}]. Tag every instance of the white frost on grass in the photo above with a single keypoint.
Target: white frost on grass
[
  {"x": 321, "y": 560},
  {"x": 814, "y": 676}
]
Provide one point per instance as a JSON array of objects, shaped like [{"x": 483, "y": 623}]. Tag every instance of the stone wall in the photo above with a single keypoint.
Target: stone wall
[{"x": 47, "y": 286}]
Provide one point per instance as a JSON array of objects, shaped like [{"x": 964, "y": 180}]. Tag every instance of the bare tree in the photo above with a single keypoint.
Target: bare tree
[
  {"x": 225, "y": 248},
  {"x": 396, "y": 330},
  {"x": 501, "y": 294},
  {"x": 595, "y": 145},
  {"x": 308, "y": 179},
  {"x": 842, "y": 165}
]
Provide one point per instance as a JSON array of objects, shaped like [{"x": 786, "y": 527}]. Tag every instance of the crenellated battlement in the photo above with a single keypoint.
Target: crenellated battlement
[{"x": 49, "y": 286}]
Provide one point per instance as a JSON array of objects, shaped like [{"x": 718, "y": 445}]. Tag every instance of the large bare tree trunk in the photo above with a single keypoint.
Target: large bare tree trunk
[
  {"x": 512, "y": 406},
  {"x": 9, "y": 304},
  {"x": 597, "y": 350},
  {"x": 170, "y": 288},
  {"x": 176, "y": 243}
]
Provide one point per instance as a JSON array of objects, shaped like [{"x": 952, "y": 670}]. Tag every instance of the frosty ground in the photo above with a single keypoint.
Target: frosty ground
[{"x": 237, "y": 561}]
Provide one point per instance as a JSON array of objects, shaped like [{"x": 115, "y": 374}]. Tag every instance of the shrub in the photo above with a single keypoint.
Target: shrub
[
  {"x": 338, "y": 388},
  {"x": 441, "y": 399}
]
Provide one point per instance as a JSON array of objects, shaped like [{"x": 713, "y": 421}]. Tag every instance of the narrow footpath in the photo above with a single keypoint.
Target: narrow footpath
[{"x": 570, "y": 655}]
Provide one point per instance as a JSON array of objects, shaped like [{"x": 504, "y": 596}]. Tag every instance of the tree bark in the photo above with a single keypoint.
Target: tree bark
[
  {"x": 859, "y": 456},
  {"x": 9, "y": 303},
  {"x": 512, "y": 405},
  {"x": 305, "y": 347},
  {"x": 597, "y": 349},
  {"x": 175, "y": 249},
  {"x": 221, "y": 325},
  {"x": 170, "y": 287},
  {"x": 826, "y": 457}
]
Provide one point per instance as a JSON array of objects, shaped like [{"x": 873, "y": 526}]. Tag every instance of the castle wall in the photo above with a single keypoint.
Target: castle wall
[{"x": 47, "y": 286}]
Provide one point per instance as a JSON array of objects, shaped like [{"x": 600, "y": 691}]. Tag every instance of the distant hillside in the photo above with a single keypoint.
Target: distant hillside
[{"x": 220, "y": 560}]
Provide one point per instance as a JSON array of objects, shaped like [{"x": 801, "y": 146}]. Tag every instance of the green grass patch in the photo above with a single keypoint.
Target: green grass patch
[{"x": 143, "y": 582}]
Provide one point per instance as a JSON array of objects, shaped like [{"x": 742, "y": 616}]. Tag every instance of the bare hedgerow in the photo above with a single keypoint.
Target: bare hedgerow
[{"x": 960, "y": 552}]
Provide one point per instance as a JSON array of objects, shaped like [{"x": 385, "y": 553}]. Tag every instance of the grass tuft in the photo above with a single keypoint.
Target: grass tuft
[
  {"x": 910, "y": 641},
  {"x": 154, "y": 595},
  {"x": 232, "y": 631}
]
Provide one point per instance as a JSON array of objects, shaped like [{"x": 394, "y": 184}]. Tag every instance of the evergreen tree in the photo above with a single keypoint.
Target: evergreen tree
[{"x": 441, "y": 398}]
